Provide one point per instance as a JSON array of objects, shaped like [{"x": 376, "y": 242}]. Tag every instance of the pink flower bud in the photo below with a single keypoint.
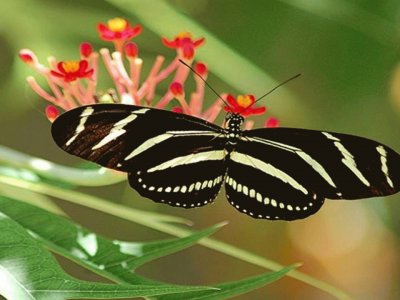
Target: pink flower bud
[
  {"x": 177, "y": 109},
  {"x": 51, "y": 113},
  {"x": 131, "y": 50},
  {"x": 27, "y": 56},
  {"x": 271, "y": 123},
  {"x": 86, "y": 49},
  {"x": 201, "y": 68},
  {"x": 176, "y": 88}
]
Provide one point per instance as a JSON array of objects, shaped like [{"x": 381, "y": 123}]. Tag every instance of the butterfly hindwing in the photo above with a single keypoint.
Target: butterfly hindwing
[
  {"x": 186, "y": 185},
  {"x": 256, "y": 186}
]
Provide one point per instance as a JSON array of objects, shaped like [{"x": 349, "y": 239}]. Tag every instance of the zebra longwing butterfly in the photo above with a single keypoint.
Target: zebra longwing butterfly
[{"x": 268, "y": 173}]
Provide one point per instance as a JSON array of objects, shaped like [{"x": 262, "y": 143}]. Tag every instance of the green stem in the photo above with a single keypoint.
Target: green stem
[
  {"x": 47, "y": 169},
  {"x": 156, "y": 222}
]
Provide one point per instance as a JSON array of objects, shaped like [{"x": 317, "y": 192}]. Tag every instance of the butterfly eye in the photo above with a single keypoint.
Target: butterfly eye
[{"x": 228, "y": 117}]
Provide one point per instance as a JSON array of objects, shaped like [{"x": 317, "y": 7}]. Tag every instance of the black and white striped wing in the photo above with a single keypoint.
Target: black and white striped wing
[
  {"x": 284, "y": 173},
  {"x": 171, "y": 158}
]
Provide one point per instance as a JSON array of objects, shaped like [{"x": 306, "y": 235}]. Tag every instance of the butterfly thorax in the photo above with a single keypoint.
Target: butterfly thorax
[{"x": 233, "y": 129}]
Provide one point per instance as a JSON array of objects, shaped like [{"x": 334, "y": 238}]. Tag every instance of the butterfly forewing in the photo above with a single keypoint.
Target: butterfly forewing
[
  {"x": 333, "y": 165},
  {"x": 170, "y": 158},
  {"x": 115, "y": 135}
]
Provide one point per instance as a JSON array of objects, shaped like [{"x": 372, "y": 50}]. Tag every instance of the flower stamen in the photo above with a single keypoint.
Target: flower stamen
[
  {"x": 70, "y": 66},
  {"x": 117, "y": 24}
]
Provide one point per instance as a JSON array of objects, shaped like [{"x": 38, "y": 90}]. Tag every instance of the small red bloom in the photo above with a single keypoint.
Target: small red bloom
[
  {"x": 72, "y": 70},
  {"x": 185, "y": 43},
  {"x": 243, "y": 105},
  {"x": 271, "y": 123},
  {"x": 118, "y": 29}
]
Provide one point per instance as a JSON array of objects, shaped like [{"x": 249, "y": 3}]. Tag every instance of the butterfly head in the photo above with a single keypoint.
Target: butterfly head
[{"x": 234, "y": 122}]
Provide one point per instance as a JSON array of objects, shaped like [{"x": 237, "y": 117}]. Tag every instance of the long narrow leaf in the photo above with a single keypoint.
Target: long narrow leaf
[
  {"x": 27, "y": 271},
  {"x": 234, "y": 288},
  {"x": 115, "y": 260}
]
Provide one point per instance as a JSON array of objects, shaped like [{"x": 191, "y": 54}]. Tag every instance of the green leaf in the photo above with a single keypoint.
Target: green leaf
[
  {"x": 26, "y": 195},
  {"x": 36, "y": 169},
  {"x": 93, "y": 202},
  {"x": 115, "y": 260},
  {"x": 234, "y": 288},
  {"x": 158, "y": 222},
  {"x": 27, "y": 271}
]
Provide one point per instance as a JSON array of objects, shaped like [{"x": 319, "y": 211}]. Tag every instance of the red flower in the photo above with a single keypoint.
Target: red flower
[
  {"x": 72, "y": 70},
  {"x": 243, "y": 105},
  {"x": 118, "y": 29},
  {"x": 184, "y": 42}
]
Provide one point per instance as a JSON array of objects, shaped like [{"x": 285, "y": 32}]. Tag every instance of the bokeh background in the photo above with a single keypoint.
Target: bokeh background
[{"x": 348, "y": 54}]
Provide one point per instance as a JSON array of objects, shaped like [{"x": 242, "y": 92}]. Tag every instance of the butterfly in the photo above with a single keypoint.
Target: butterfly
[{"x": 268, "y": 173}]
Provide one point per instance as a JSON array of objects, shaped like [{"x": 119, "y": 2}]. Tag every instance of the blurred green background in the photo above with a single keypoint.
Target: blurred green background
[{"x": 347, "y": 52}]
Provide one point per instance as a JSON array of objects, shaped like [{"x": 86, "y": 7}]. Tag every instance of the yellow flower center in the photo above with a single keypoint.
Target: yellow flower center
[
  {"x": 117, "y": 24},
  {"x": 184, "y": 34},
  {"x": 244, "y": 101},
  {"x": 71, "y": 66}
]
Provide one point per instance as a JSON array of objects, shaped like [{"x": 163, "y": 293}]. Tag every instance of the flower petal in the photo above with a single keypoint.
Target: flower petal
[
  {"x": 199, "y": 42},
  {"x": 256, "y": 110},
  {"x": 54, "y": 73},
  {"x": 83, "y": 64},
  {"x": 88, "y": 73},
  {"x": 169, "y": 44},
  {"x": 137, "y": 30},
  {"x": 232, "y": 101},
  {"x": 60, "y": 67}
]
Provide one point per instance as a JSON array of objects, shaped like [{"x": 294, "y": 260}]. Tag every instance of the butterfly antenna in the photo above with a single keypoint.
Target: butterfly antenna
[
  {"x": 207, "y": 84},
  {"x": 279, "y": 85}
]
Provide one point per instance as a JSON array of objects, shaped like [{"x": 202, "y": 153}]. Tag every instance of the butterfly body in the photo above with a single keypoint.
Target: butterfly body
[
  {"x": 233, "y": 131},
  {"x": 268, "y": 173}
]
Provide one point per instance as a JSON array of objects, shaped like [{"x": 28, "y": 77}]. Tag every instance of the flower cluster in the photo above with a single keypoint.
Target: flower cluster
[{"x": 75, "y": 82}]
